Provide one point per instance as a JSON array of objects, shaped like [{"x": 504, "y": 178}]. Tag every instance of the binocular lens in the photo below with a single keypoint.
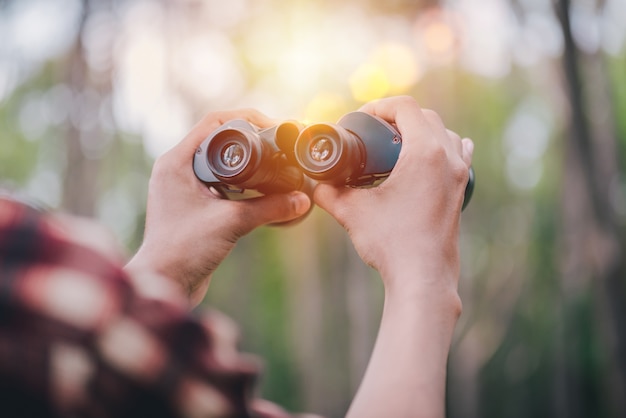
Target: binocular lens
[
  {"x": 321, "y": 149},
  {"x": 232, "y": 155},
  {"x": 328, "y": 153}
]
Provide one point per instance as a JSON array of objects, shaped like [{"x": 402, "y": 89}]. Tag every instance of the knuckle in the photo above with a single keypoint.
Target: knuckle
[
  {"x": 165, "y": 167},
  {"x": 162, "y": 166},
  {"x": 409, "y": 103},
  {"x": 453, "y": 135},
  {"x": 460, "y": 172},
  {"x": 432, "y": 116},
  {"x": 457, "y": 306},
  {"x": 407, "y": 100},
  {"x": 435, "y": 154}
]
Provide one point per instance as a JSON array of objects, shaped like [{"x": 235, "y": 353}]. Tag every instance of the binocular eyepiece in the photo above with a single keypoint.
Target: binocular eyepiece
[{"x": 240, "y": 160}]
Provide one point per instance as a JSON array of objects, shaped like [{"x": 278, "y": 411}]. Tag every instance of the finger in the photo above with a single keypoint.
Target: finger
[
  {"x": 455, "y": 140},
  {"x": 450, "y": 140},
  {"x": 468, "y": 150},
  {"x": 272, "y": 209},
  {"x": 390, "y": 109},
  {"x": 408, "y": 117}
]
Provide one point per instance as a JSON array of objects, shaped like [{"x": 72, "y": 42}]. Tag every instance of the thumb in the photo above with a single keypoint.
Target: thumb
[{"x": 273, "y": 208}]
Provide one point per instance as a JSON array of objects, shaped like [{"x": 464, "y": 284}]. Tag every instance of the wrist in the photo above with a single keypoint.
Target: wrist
[
  {"x": 143, "y": 266},
  {"x": 151, "y": 285},
  {"x": 141, "y": 263},
  {"x": 436, "y": 296},
  {"x": 415, "y": 334}
]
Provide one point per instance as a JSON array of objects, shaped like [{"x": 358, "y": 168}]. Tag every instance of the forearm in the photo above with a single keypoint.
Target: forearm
[{"x": 407, "y": 371}]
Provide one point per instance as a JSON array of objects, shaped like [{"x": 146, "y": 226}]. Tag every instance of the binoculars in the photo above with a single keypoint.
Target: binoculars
[{"x": 239, "y": 160}]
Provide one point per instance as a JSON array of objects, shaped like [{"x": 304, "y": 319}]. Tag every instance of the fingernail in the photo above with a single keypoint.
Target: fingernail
[{"x": 300, "y": 202}]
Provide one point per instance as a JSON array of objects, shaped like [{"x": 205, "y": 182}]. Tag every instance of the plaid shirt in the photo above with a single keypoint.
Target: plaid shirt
[{"x": 79, "y": 339}]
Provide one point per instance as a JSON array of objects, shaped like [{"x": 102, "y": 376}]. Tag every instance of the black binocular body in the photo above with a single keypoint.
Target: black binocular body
[{"x": 239, "y": 160}]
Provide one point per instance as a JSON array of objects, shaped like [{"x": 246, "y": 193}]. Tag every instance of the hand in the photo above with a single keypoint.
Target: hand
[
  {"x": 407, "y": 228},
  {"x": 189, "y": 230},
  {"x": 410, "y": 222}
]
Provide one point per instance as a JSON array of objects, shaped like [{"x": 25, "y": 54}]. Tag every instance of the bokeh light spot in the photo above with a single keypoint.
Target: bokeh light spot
[
  {"x": 399, "y": 64},
  {"x": 439, "y": 37},
  {"x": 436, "y": 32},
  {"x": 369, "y": 82},
  {"x": 325, "y": 107}
]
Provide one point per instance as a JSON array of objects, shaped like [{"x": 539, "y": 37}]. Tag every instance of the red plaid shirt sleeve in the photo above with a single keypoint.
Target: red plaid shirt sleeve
[{"x": 78, "y": 340}]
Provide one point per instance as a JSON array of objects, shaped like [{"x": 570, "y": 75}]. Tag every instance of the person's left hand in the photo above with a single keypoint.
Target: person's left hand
[{"x": 190, "y": 230}]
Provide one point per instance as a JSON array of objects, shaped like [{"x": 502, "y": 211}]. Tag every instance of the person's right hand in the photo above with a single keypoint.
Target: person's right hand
[
  {"x": 409, "y": 224},
  {"x": 408, "y": 229}
]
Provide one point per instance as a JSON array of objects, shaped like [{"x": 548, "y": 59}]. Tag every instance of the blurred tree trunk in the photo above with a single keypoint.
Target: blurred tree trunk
[
  {"x": 86, "y": 142},
  {"x": 79, "y": 191},
  {"x": 593, "y": 243}
]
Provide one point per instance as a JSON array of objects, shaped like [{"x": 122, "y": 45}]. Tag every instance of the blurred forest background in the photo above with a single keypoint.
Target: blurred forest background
[{"x": 92, "y": 91}]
